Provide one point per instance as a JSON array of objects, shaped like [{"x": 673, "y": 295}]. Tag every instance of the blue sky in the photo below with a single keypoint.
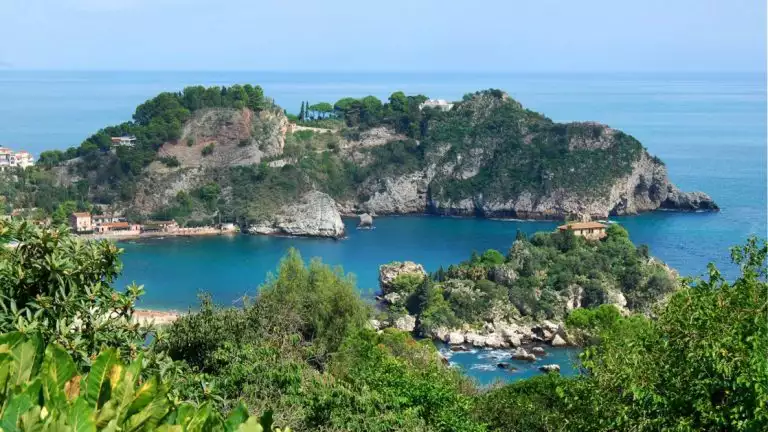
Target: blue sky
[{"x": 385, "y": 35}]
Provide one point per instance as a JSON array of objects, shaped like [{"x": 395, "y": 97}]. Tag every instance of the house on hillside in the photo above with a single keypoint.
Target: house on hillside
[
  {"x": 588, "y": 230},
  {"x": 124, "y": 141},
  {"x": 441, "y": 104},
  {"x": 9, "y": 158},
  {"x": 81, "y": 222}
]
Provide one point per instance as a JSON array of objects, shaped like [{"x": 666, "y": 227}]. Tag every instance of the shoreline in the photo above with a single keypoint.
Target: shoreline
[
  {"x": 155, "y": 316},
  {"x": 157, "y": 235}
]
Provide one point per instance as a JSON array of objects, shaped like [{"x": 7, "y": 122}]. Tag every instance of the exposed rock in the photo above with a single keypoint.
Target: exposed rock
[
  {"x": 538, "y": 351},
  {"x": 455, "y": 338},
  {"x": 366, "y": 221},
  {"x": 503, "y": 274},
  {"x": 495, "y": 340},
  {"x": 550, "y": 368},
  {"x": 522, "y": 354},
  {"x": 406, "y": 323},
  {"x": 389, "y": 272},
  {"x": 313, "y": 215},
  {"x": 506, "y": 366},
  {"x": 376, "y": 324},
  {"x": 476, "y": 339},
  {"x": 558, "y": 341},
  {"x": 392, "y": 298},
  {"x": 459, "y": 348}
]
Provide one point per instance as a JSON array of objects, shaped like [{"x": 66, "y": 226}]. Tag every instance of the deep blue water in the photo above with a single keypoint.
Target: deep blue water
[{"x": 710, "y": 129}]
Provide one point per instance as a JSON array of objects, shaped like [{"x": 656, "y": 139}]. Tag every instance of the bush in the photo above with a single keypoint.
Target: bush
[
  {"x": 45, "y": 392},
  {"x": 170, "y": 161},
  {"x": 54, "y": 283},
  {"x": 208, "y": 149}
]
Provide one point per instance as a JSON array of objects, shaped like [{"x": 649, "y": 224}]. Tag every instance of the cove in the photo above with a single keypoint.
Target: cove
[{"x": 175, "y": 270}]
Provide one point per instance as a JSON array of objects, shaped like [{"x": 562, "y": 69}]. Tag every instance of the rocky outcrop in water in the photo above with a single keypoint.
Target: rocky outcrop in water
[
  {"x": 389, "y": 272},
  {"x": 314, "y": 215}
]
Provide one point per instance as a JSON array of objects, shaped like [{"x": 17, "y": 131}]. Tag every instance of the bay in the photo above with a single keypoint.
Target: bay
[{"x": 710, "y": 129}]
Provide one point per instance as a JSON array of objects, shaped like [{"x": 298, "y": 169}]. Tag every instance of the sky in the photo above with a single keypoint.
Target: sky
[{"x": 384, "y": 35}]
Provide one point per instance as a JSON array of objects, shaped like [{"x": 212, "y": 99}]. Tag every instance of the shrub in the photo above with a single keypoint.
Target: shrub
[
  {"x": 42, "y": 390},
  {"x": 170, "y": 161},
  {"x": 208, "y": 149},
  {"x": 61, "y": 286}
]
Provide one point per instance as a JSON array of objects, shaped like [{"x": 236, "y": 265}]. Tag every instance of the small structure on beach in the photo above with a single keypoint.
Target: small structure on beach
[
  {"x": 588, "y": 230},
  {"x": 163, "y": 226}
]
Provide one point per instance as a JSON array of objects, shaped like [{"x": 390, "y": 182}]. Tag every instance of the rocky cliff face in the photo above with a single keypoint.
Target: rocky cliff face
[
  {"x": 314, "y": 214},
  {"x": 486, "y": 157},
  {"x": 519, "y": 164}
]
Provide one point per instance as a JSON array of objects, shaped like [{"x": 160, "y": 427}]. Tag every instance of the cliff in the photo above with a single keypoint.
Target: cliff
[
  {"x": 314, "y": 214},
  {"x": 488, "y": 156}
]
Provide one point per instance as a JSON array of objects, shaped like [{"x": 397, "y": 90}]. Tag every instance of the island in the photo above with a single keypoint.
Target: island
[{"x": 206, "y": 156}]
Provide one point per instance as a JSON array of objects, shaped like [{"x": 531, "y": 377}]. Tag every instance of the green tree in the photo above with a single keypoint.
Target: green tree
[{"x": 60, "y": 286}]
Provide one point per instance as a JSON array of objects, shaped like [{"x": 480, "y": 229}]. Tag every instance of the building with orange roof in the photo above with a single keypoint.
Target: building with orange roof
[{"x": 588, "y": 230}]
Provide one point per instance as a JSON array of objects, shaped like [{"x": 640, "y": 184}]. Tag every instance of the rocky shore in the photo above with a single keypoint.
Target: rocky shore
[
  {"x": 498, "y": 333},
  {"x": 313, "y": 215}
]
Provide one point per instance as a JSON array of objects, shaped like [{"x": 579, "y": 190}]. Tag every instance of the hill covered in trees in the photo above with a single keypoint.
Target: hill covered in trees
[
  {"x": 301, "y": 354},
  {"x": 229, "y": 152}
]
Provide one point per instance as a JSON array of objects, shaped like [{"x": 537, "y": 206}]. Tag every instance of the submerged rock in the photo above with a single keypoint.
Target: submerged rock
[
  {"x": 459, "y": 348},
  {"x": 550, "y": 368},
  {"x": 506, "y": 366},
  {"x": 313, "y": 215}
]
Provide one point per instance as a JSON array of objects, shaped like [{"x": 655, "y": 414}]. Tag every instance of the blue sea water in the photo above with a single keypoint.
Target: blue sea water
[{"x": 710, "y": 129}]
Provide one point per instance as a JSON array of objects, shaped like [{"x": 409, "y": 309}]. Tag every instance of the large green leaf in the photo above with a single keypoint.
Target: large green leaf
[
  {"x": 19, "y": 404},
  {"x": 150, "y": 416},
  {"x": 58, "y": 368},
  {"x": 81, "y": 417},
  {"x": 26, "y": 356},
  {"x": 144, "y": 395},
  {"x": 237, "y": 417},
  {"x": 96, "y": 384},
  {"x": 251, "y": 425},
  {"x": 200, "y": 418}
]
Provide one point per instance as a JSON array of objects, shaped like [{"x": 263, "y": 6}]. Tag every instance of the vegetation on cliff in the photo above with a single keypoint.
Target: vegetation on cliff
[
  {"x": 487, "y": 145},
  {"x": 542, "y": 277},
  {"x": 302, "y": 347}
]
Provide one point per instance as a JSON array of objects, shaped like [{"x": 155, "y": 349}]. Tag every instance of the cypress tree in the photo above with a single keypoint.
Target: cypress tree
[{"x": 301, "y": 113}]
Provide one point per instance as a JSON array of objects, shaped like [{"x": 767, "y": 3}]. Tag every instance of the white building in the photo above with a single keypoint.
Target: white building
[
  {"x": 441, "y": 104},
  {"x": 9, "y": 158},
  {"x": 124, "y": 141}
]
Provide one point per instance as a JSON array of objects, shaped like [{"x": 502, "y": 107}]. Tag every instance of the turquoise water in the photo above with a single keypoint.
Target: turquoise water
[{"x": 710, "y": 130}]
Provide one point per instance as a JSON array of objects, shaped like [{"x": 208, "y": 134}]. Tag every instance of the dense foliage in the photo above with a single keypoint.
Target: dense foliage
[
  {"x": 61, "y": 287},
  {"x": 42, "y": 390},
  {"x": 302, "y": 348},
  {"x": 541, "y": 277}
]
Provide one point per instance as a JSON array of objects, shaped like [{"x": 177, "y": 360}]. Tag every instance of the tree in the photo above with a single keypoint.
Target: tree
[
  {"x": 398, "y": 102},
  {"x": 302, "y": 112},
  {"x": 60, "y": 286}
]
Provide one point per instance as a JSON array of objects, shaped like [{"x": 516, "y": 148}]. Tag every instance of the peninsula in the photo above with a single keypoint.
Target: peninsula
[{"x": 228, "y": 154}]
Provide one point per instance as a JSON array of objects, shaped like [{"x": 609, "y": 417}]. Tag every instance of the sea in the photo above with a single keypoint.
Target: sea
[{"x": 709, "y": 129}]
